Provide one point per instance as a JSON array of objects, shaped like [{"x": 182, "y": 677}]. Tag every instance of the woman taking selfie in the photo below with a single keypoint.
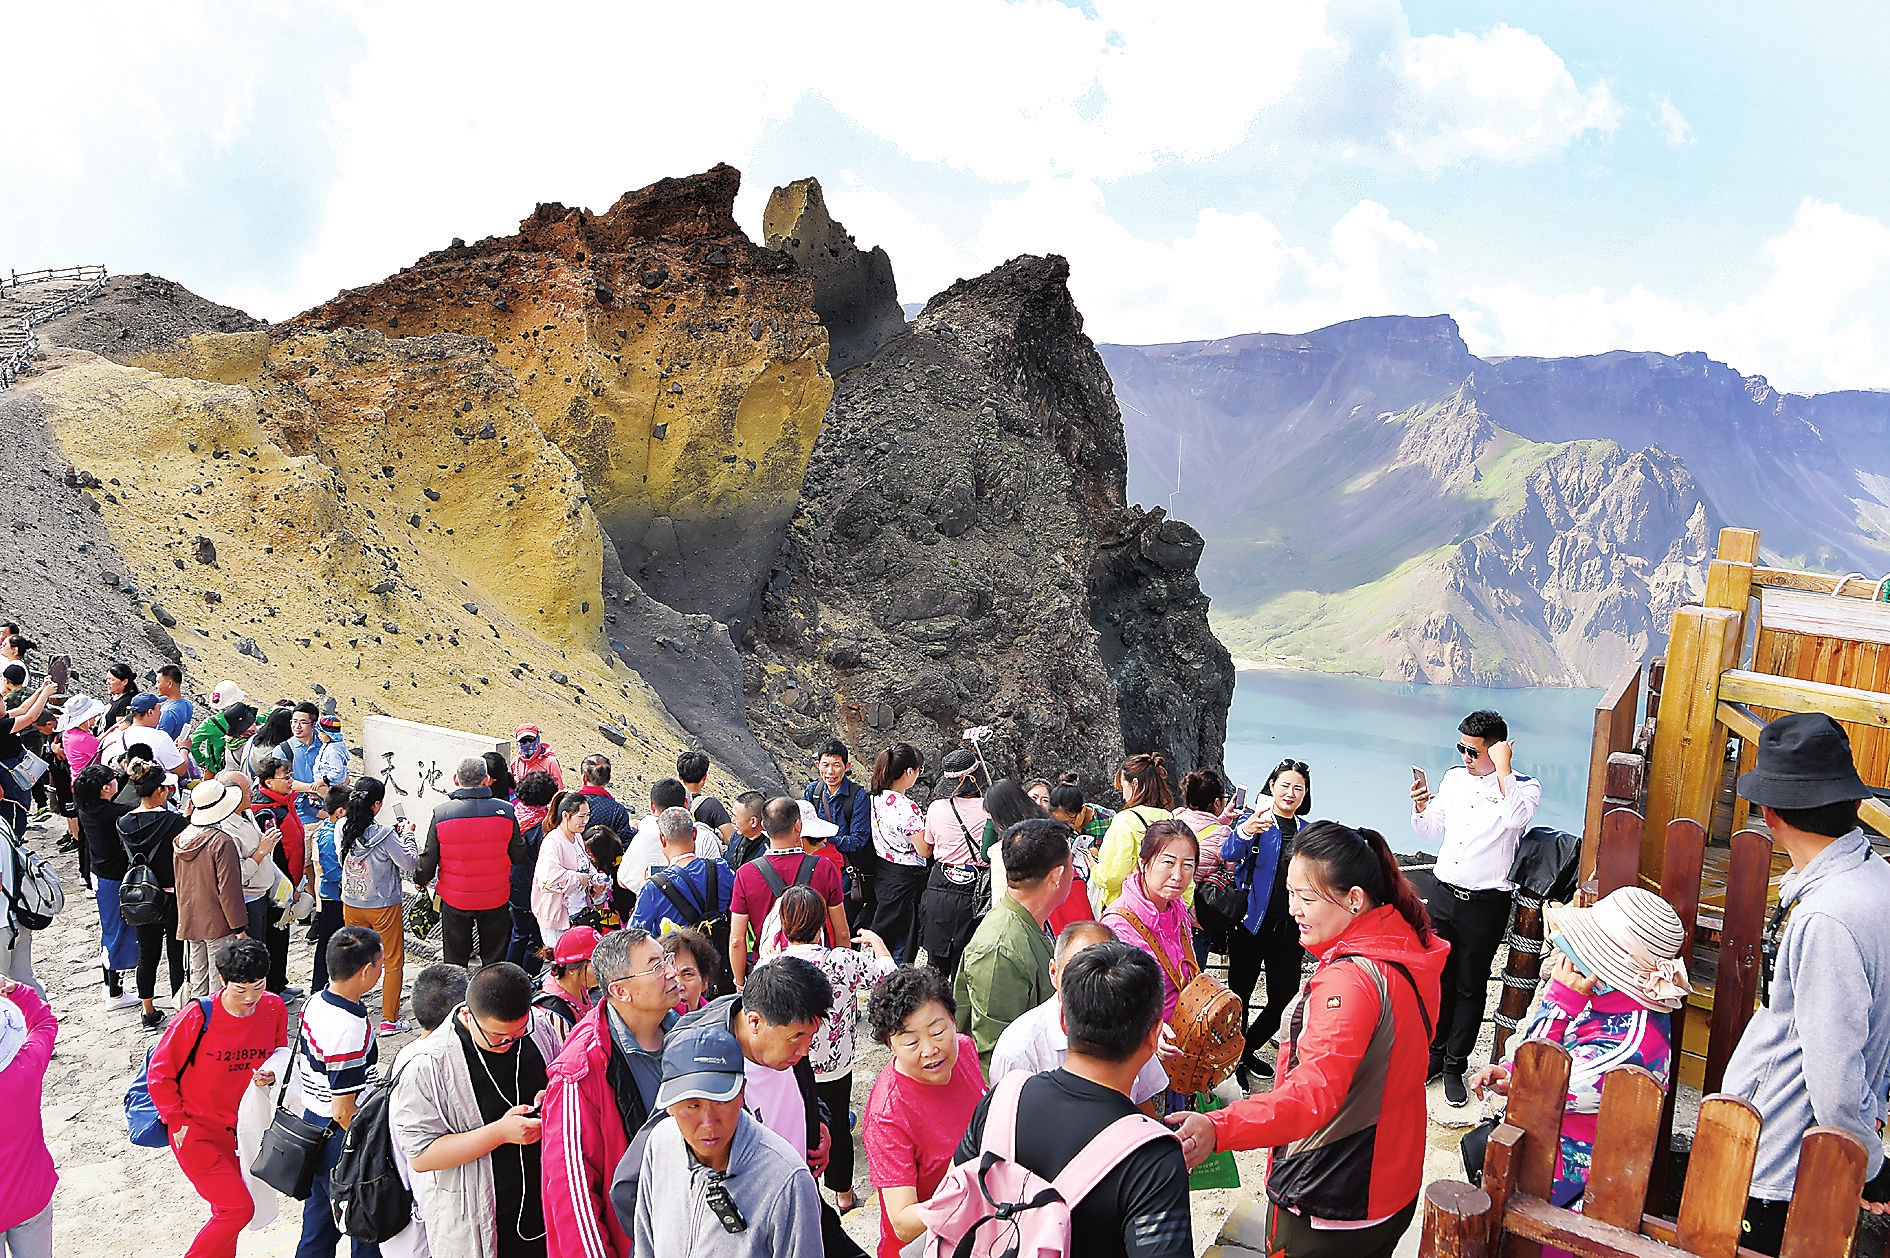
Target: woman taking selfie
[
  {"x": 1267, "y": 937},
  {"x": 1346, "y": 1169}
]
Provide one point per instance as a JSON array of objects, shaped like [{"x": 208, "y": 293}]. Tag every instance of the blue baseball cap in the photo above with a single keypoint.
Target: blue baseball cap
[
  {"x": 144, "y": 703},
  {"x": 702, "y": 1061}
]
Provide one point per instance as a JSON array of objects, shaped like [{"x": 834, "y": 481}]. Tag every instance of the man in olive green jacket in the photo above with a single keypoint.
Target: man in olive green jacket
[{"x": 1005, "y": 971}]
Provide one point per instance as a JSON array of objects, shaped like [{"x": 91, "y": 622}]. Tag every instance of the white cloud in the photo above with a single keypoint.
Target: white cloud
[
  {"x": 1668, "y": 121},
  {"x": 1816, "y": 322}
]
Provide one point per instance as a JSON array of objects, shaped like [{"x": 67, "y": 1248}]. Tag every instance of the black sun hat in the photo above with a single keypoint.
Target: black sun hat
[{"x": 1804, "y": 762}]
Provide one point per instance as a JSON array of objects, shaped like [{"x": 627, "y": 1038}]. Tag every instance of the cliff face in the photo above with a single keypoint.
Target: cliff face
[
  {"x": 680, "y": 367},
  {"x": 854, "y": 292},
  {"x": 963, "y": 555},
  {"x": 1486, "y": 521}
]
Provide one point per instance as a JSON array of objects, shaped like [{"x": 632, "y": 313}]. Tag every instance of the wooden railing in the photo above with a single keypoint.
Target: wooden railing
[
  {"x": 92, "y": 280},
  {"x": 1511, "y": 1213}
]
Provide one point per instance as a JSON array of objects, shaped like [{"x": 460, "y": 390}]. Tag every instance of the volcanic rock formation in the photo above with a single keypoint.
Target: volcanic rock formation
[
  {"x": 679, "y": 366},
  {"x": 963, "y": 556},
  {"x": 134, "y": 314},
  {"x": 854, "y": 292}
]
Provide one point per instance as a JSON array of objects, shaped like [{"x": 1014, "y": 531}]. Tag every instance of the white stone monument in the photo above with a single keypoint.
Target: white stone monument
[{"x": 416, "y": 763}]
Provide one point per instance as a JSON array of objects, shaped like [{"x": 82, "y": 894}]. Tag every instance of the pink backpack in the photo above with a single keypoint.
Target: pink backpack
[{"x": 996, "y": 1208}]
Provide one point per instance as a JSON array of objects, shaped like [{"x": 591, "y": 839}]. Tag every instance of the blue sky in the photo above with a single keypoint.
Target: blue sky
[{"x": 1562, "y": 178}]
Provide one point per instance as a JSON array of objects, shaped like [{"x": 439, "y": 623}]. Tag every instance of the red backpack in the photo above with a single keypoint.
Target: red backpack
[{"x": 997, "y": 1206}]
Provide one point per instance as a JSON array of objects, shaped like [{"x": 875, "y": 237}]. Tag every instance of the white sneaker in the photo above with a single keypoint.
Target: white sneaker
[{"x": 123, "y": 1000}]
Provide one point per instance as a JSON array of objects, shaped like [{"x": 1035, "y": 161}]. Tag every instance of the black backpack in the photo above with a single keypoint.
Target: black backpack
[
  {"x": 708, "y": 918},
  {"x": 365, "y": 1193},
  {"x": 140, "y": 894}
]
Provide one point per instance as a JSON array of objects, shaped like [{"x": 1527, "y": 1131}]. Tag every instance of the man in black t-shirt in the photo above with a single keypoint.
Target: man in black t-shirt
[{"x": 1112, "y": 1013}]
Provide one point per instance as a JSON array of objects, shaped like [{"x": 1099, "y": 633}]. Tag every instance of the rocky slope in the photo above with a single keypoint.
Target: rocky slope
[
  {"x": 963, "y": 555},
  {"x": 678, "y": 365},
  {"x": 134, "y": 314},
  {"x": 1378, "y": 500}
]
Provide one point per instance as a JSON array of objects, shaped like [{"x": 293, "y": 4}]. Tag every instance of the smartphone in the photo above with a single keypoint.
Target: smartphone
[
  {"x": 1240, "y": 796},
  {"x": 1417, "y": 775},
  {"x": 400, "y": 812}
]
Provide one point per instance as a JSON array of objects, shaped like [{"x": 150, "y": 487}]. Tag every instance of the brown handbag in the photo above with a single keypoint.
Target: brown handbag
[{"x": 1208, "y": 1018}]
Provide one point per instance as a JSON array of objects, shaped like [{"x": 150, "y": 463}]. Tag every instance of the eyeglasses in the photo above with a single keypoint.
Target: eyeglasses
[
  {"x": 667, "y": 963},
  {"x": 1472, "y": 752}
]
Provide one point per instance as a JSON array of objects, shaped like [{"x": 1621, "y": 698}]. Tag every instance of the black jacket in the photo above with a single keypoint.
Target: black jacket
[
  {"x": 147, "y": 837},
  {"x": 98, "y": 830}
]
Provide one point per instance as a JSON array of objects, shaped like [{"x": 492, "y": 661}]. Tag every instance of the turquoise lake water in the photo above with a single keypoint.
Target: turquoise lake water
[{"x": 1361, "y": 738}]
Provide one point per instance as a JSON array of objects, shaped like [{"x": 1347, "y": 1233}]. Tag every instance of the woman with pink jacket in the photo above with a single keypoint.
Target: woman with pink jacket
[
  {"x": 27, "y": 1178},
  {"x": 564, "y": 875},
  {"x": 1150, "y": 914}
]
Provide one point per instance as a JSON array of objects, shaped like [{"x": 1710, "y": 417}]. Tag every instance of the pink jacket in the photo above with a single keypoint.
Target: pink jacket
[
  {"x": 1211, "y": 831},
  {"x": 563, "y": 866},
  {"x": 1171, "y": 928},
  {"x": 26, "y": 1166},
  {"x": 583, "y": 1140},
  {"x": 81, "y": 747}
]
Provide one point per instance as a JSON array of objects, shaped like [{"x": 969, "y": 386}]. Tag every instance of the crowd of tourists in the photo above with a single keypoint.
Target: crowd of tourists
[{"x": 642, "y": 1033}]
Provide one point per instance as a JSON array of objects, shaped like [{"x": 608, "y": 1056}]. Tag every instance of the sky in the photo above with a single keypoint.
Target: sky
[{"x": 1563, "y": 179}]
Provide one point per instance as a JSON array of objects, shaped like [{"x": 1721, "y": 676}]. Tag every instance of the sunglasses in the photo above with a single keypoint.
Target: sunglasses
[
  {"x": 1472, "y": 752},
  {"x": 1297, "y": 766}
]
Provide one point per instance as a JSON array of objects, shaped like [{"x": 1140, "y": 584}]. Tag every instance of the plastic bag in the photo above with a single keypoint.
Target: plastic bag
[{"x": 1219, "y": 1171}]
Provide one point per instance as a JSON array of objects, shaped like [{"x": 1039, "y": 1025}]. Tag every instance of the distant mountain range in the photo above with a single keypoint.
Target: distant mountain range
[{"x": 1378, "y": 500}]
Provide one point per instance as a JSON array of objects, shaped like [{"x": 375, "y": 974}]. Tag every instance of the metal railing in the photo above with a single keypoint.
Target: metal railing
[{"x": 90, "y": 279}]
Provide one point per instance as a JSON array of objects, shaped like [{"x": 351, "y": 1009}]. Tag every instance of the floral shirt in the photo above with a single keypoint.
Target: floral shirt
[
  {"x": 851, "y": 973},
  {"x": 896, "y": 820}
]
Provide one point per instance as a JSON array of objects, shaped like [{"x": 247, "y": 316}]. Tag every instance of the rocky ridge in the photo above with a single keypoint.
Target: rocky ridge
[
  {"x": 963, "y": 555},
  {"x": 854, "y": 291}
]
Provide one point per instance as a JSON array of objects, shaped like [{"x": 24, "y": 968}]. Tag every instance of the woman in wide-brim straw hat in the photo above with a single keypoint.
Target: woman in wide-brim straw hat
[{"x": 1617, "y": 978}]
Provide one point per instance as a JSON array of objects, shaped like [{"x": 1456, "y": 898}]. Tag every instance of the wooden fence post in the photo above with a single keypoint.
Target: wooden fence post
[
  {"x": 1689, "y": 741},
  {"x": 1679, "y": 886},
  {"x": 1456, "y": 1221},
  {"x": 1736, "y": 979}
]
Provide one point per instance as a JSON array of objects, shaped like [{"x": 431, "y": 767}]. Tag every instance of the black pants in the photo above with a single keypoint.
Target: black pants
[
  {"x": 527, "y": 939},
  {"x": 159, "y": 942},
  {"x": 456, "y": 934},
  {"x": 838, "y": 1097},
  {"x": 262, "y": 913},
  {"x": 1474, "y": 929},
  {"x": 1276, "y": 950},
  {"x": 326, "y": 925},
  {"x": 1291, "y": 1235},
  {"x": 1765, "y": 1225},
  {"x": 896, "y": 909}
]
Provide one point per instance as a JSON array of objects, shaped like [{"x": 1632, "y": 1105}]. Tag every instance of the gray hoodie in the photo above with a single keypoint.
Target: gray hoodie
[
  {"x": 768, "y": 1182},
  {"x": 1831, "y": 996}
]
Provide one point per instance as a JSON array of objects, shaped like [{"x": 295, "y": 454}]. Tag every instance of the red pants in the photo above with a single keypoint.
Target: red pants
[{"x": 208, "y": 1159}]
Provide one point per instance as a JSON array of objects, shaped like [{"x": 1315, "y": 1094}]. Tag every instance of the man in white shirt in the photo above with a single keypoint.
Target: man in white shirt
[
  {"x": 1037, "y": 1042},
  {"x": 143, "y": 731},
  {"x": 645, "y": 852},
  {"x": 1479, "y": 812}
]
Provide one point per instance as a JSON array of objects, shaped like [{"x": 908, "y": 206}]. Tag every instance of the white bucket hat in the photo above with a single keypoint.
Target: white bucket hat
[
  {"x": 812, "y": 824},
  {"x": 80, "y": 710},
  {"x": 1631, "y": 940},
  {"x": 212, "y": 801},
  {"x": 227, "y": 695}
]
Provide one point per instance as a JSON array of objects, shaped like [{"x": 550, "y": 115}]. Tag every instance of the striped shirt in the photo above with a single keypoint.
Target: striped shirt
[{"x": 337, "y": 1052}]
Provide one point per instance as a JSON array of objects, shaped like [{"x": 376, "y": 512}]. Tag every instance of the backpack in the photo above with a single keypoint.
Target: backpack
[
  {"x": 140, "y": 898},
  {"x": 34, "y": 896},
  {"x": 364, "y": 1190},
  {"x": 141, "y": 1117},
  {"x": 996, "y": 1205},
  {"x": 706, "y": 917},
  {"x": 770, "y": 928}
]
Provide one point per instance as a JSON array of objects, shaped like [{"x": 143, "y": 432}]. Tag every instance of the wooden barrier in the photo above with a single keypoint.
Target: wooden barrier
[
  {"x": 1615, "y": 728},
  {"x": 1518, "y": 1169}
]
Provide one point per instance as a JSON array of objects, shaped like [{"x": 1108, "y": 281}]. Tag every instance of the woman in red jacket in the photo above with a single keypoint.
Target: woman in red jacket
[{"x": 1346, "y": 1121}]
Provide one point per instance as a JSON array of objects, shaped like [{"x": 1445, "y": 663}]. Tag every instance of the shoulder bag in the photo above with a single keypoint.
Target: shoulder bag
[
  {"x": 291, "y": 1153},
  {"x": 1207, "y": 1020}
]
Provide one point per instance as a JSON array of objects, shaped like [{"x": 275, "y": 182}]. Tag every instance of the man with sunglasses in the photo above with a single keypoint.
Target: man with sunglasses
[
  {"x": 1480, "y": 810},
  {"x": 463, "y": 1096},
  {"x": 602, "y": 1090},
  {"x": 1817, "y": 1050}
]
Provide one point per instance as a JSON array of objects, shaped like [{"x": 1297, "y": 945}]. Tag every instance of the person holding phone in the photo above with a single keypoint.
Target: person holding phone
[
  {"x": 1480, "y": 810},
  {"x": 1267, "y": 938}
]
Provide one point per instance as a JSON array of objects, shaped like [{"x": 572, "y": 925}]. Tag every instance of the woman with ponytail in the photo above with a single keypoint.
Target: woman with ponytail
[
  {"x": 904, "y": 851},
  {"x": 1146, "y": 798},
  {"x": 373, "y": 857},
  {"x": 1346, "y": 1169}
]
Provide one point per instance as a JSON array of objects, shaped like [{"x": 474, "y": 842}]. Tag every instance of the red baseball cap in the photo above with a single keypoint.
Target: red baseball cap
[{"x": 575, "y": 945}]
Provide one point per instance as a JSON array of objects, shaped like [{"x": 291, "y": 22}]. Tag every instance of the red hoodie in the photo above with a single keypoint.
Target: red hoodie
[
  {"x": 1372, "y": 1165},
  {"x": 294, "y": 837}
]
